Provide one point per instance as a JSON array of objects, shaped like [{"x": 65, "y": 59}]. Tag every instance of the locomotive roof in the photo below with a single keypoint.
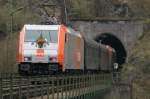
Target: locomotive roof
[
  {"x": 50, "y": 27},
  {"x": 41, "y": 27},
  {"x": 73, "y": 32}
]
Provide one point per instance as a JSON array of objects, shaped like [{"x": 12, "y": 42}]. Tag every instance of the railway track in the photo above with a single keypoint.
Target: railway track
[{"x": 17, "y": 87}]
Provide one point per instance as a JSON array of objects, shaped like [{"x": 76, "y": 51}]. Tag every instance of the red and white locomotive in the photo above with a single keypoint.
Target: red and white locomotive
[{"x": 44, "y": 49}]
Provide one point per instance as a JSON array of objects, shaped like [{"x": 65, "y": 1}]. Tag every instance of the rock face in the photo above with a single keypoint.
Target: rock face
[{"x": 99, "y": 8}]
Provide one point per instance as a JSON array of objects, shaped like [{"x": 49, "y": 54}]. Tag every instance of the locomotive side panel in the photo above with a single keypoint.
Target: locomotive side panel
[
  {"x": 106, "y": 55},
  {"x": 61, "y": 41},
  {"x": 110, "y": 57},
  {"x": 21, "y": 42},
  {"x": 74, "y": 49},
  {"x": 92, "y": 55},
  {"x": 103, "y": 59}
]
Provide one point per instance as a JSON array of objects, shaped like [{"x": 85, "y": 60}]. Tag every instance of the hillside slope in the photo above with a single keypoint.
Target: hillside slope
[
  {"x": 135, "y": 75},
  {"x": 33, "y": 13},
  {"x": 137, "y": 70}
]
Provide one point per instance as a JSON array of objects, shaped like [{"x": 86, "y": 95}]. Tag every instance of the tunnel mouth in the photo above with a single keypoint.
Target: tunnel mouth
[{"x": 114, "y": 42}]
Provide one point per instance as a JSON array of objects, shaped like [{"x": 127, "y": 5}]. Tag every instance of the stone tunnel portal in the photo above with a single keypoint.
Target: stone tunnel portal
[{"x": 113, "y": 41}]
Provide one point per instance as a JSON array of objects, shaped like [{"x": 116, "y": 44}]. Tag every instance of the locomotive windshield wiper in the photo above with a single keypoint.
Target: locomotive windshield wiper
[
  {"x": 30, "y": 41},
  {"x": 50, "y": 36}
]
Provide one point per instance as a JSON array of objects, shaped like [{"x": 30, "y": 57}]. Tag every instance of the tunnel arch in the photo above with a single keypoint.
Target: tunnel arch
[{"x": 113, "y": 41}]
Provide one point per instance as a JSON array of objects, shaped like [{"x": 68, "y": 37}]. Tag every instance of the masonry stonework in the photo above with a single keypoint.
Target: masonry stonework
[{"x": 127, "y": 32}]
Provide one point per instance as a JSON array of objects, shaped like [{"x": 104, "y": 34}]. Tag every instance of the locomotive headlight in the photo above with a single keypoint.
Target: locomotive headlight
[
  {"x": 27, "y": 58},
  {"x": 52, "y": 59}
]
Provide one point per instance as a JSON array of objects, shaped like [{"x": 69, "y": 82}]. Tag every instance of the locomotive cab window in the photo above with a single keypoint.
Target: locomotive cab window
[{"x": 51, "y": 36}]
